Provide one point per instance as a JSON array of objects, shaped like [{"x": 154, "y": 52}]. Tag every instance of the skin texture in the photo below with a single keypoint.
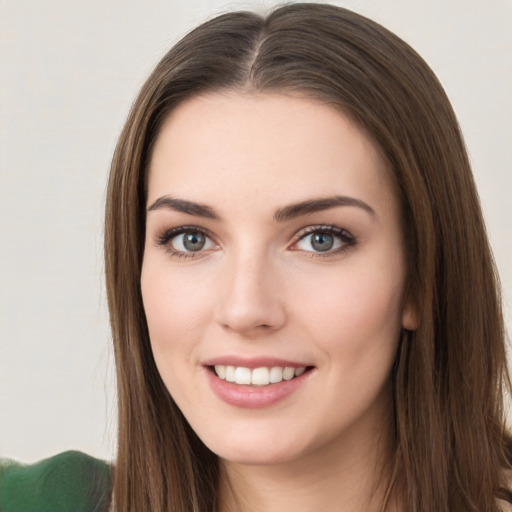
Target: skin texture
[{"x": 258, "y": 289}]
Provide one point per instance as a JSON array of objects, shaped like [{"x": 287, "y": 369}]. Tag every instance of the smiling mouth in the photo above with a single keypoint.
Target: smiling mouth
[{"x": 263, "y": 376}]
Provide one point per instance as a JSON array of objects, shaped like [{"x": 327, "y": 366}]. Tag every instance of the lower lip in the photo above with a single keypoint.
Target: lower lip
[{"x": 253, "y": 397}]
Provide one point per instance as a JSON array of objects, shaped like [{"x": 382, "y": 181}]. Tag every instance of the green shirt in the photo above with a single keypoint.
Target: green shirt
[{"x": 68, "y": 482}]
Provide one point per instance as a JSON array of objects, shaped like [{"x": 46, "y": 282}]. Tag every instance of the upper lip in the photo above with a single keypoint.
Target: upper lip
[{"x": 253, "y": 362}]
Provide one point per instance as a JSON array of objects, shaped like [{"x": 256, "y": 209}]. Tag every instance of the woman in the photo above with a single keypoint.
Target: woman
[
  {"x": 444, "y": 442},
  {"x": 303, "y": 302}
]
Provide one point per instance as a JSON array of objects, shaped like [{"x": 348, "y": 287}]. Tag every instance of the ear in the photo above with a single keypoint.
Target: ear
[{"x": 410, "y": 317}]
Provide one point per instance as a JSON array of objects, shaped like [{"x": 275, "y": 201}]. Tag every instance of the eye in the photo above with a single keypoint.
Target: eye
[
  {"x": 191, "y": 241},
  {"x": 324, "y": 239},
  {"x": 185, "y": 241}
]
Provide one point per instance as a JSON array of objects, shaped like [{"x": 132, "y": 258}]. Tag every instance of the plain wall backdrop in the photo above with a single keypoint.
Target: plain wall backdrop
[{"x": 68, "y": 74}]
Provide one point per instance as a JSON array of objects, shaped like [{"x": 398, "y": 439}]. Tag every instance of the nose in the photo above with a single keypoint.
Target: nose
[{"x": 251, "y": 301}]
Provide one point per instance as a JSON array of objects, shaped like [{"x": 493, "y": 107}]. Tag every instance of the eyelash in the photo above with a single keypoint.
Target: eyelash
[
  {"x": 347, "y": 240},
  {"x": 165, "y": 239}
]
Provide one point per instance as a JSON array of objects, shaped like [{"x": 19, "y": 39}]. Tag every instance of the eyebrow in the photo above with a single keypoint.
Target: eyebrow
[
  {"x": 316, "y": 205},
  {"x": 183, "y": 206},
  {"x": 282, "y": 214}
]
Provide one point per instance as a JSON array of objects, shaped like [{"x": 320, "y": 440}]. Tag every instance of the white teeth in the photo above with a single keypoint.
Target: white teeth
[
  {"x": 242, "y": 375},
  {"x": 220, "y": 370},
  {"x": 276, "y": 374},
  {"x": 258, "y": 376},
  {"x": 288, "y": 373},
  {"x": 230, "y": 373},
  {"x": 299, "y": 371}
]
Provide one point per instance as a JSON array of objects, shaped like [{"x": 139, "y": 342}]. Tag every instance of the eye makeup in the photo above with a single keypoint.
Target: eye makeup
[
  {"x": 194, "y": 243},
  {"x": 315, "y": 241},
  {"x": 323, "y": 240}
]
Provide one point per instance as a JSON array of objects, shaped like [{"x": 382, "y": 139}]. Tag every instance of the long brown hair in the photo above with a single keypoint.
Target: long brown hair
[{"x": 450, "y": 374}]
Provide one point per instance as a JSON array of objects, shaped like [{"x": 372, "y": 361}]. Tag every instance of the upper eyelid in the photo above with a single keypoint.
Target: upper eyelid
[
  {"x": 322, "y": 227},
  {"x": 170, "y": 233},
  {"x": 347, "y": 238}
]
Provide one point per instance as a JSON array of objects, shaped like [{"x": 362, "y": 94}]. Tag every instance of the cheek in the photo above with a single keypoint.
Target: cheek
[
  {"x": 176, "y": 311},
  {"x": 354, "y": 314},
  {"x": 357, "y": 330}
]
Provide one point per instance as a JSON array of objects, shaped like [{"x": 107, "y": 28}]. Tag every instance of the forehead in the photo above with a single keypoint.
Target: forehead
[{"x": 275, "y": 147}]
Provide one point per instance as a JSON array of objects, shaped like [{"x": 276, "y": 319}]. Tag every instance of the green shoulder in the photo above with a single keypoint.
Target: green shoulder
[{"x": 69, "y": 482}]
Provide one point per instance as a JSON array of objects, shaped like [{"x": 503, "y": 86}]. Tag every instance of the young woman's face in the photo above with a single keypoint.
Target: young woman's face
[{"x": 273, "y": 258}]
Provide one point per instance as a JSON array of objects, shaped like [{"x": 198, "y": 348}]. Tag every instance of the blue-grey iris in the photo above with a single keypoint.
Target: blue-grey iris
[
  {"x": 194, "y": 241},
  {"x": 322, "y": 241}
]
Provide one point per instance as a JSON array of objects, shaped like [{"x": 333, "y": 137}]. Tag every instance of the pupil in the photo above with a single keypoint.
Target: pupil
[
  {"x": 193, "y": 241},
  {"x": 322, "y": 241}
]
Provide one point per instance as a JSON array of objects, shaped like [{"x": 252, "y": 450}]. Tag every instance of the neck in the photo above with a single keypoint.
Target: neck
[{"x": 347, "y": 476}]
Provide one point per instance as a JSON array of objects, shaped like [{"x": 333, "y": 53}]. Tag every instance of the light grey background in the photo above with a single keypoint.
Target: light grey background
[{"x": 68, "y": 74}]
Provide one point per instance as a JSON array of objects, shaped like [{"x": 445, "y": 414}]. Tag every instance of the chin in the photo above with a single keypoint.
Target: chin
[
  {"x": 252, "y": 456},
  {"x": 259, "y": 449}
]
